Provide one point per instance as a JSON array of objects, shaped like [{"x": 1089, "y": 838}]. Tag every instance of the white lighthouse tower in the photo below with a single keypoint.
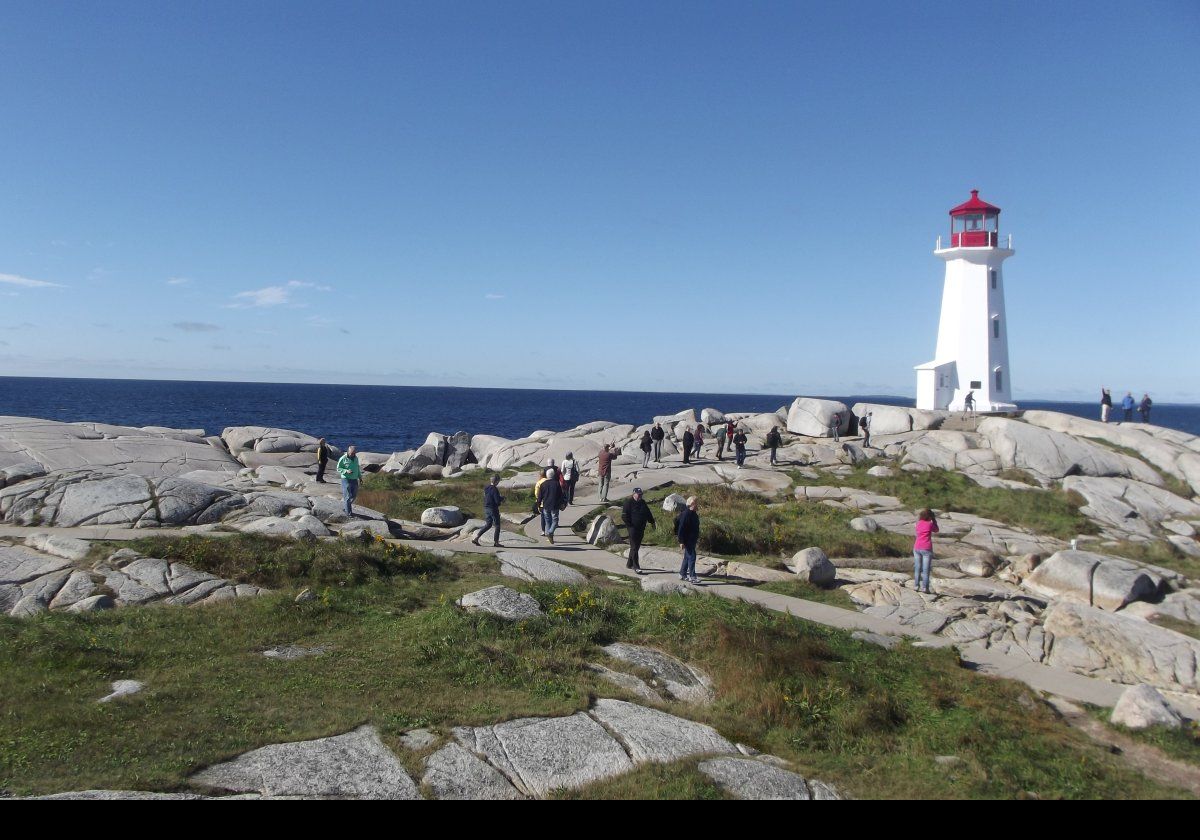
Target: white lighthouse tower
[{"x": 972, "y": 345}]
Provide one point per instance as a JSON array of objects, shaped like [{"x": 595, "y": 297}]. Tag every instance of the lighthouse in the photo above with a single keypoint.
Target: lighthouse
[{"x": 972, "y": 343}]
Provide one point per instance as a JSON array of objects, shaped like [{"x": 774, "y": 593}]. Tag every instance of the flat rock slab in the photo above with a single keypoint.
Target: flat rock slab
[
  {"x": 629, "y": 682},
  {"x": 502, "y": 602},
  {"x": 356, "y": 765},
  {"x": 289, "y": 652},
  {"x": 69, "y": 548},
  {"x": 118, "y": 795},
  {"x": 653, "y": 736},
  {"x": 541, "y": 755},
  {"x": 122, "y": 688},
  {"x": 454, "y": 773},
  {"x": 532, "y": 568},
  {"x": 748, "y": 778},
  {"x": 680, "y": 680}
]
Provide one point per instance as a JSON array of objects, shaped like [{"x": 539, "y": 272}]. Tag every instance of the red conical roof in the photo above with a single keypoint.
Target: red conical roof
[{"x": 974, "y": 205}]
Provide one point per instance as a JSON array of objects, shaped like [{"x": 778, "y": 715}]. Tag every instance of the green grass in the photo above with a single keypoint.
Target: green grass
[
  {"x": 1184, "y": 627},
  {"x": 403, "y": 655},
  {"x": 1159, "y": 552},
  {"x": 809, "y": 592},
  {"x": 395, "y": 495},
  {"x": 1054, "y": 513},
  {"x": 750, "y": 527}
]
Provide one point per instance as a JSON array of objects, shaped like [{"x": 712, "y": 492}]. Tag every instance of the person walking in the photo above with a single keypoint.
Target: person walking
[
  {"x": 722, "y": 438},
  {"x": 699, "y": 441},
  {"x": 657, "y": 434},
  {"x": 689, "y": 440},
  {"x": 927, "y": 526},
  {"x": 864, "y": 426},
  {"x": 491, "y": 511},
  {"x": 351, "y": 474},
  {"x": 604, "y": 469},
  {"x": 570, "y": 475},
  {"x": 969, "y": 405},
  {"x": 635, "y": 513},
  {"x": 739, "y": 447},
  {"x": 551, "y": 500},
  {"x": 687, "y": 531},
  {"x": 1105, "y": 404},
  {"x": 537, "y": 495},
  {"x": 774, "y": 441},
  {"x": 1144, "y": 408},
  {"x": 646, "y": 444},
  {"x": 1127, "y": 405},
  {"x": 835, "y": 426},
  {"x": 322, "y": 459}
]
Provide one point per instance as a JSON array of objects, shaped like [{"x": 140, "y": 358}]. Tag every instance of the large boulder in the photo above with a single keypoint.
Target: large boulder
[
  {"x": 603, "y": 531},
  {"x": 1095, "y": 580},
  {"x": 897, "y": 420},
  {"x": 1054, "y": 455},
  {"x": 1141, "y": 707},
  {"x": 813, "y": 566},
  {"x": 710, "y": 417},
  {"x": 447, "y": 516},
  {"x": 812, "y": 417},
  {"x": 502, "y": 602},
  {"x": 1128, "y": 505}
]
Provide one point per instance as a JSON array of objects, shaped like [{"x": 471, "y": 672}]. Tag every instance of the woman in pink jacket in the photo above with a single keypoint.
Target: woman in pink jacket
[{"x": 923, "y": 550}]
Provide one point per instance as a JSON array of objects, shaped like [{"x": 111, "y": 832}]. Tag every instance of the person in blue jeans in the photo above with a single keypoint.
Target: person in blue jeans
[
  {"x": 687, "y": 531},
  {"x": 351, "y": 473},
  {"x": 491, "y": 510},
  {"x": 550, "y": 500}
]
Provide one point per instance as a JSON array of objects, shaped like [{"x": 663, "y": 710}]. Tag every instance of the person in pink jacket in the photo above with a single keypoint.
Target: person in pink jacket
[{"x": 923, "y": 550}]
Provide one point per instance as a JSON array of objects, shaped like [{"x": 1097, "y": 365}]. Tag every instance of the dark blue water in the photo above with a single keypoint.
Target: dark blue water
[{"x": 386, "y": 419}]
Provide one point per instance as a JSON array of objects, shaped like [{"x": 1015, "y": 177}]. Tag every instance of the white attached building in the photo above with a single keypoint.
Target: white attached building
[{"x": 972, "y": 344}]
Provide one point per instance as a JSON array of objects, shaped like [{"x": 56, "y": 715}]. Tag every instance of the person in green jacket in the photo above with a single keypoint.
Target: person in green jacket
[{"x": 350, "y": 471}]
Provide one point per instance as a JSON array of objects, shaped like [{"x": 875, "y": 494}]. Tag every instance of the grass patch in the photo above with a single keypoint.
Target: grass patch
[
  {"x": 809, "y": 592},
  {"x": 1184, "y": 627},
  {"x": 1175, "y": 485},
  {"x": 280, "y": 563},
  {"x": 1157, "y": 552},
  {"x": 1180, "y": 744},
  {"x": 750, "y": 527},
  {"x": 1054, "y": 513},
  {"x": 402, "y": 655},
  {"x": 395, "y": 495}
]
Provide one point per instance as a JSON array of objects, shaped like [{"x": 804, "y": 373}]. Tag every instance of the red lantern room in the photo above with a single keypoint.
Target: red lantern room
[{"x": 974, "y": 224}]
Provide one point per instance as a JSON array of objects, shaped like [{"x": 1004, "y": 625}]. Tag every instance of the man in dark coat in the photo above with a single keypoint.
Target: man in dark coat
[
  {"x": 491, "y": 510},
  {"x": 551, "y": 500},
  {"x": 774, "y": 440},
  {"x": 687, "y": 532},
  {"x": 689, "y": 441},
  {"x": 657, "y": 434},
  {"x": 739, "y": 447},
  {"x": 322, "y": 459},
  {"x": 635, "y": 513}
]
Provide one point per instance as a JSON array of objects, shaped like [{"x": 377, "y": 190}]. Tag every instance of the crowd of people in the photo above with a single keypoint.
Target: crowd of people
[{"x": 1128, "y": 405}]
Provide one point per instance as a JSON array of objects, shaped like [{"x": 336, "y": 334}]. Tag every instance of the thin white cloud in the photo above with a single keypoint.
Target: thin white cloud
[
  {"x": 178, "y": 281},
  {"x": 195, "y": 326},
  {"x": 27, "y": 282},
  {"x": 493, "y": 296},
  {"x": 273, "y": 295},
  {"x": 299, "y": 284}
]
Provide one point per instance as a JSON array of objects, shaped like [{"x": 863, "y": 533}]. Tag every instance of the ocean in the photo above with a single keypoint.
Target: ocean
[{"x": 392, "y": 418}]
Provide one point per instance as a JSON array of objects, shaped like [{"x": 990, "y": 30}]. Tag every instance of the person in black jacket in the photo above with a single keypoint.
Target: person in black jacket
[
  {"x": 647, "y": 443},
  {"x": 774, "y": 440},
  {"x": 322, "y": 460},
  {"x": 689, "y": 440},
  {"x": 551, "y": 500},
  {"x": 864, "y": 426},
  {"x": 491, "y": 510},
  {"x": 739, "y": 447},
  {"x": 657, "y": 434},
  {"x": 635, "y": 513},
  {"x": 688, "y": 534}
]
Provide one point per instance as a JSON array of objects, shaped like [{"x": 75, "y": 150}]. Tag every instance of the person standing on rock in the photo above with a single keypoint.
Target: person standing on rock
[
  {"x": 969, "y": 405},
  {"x": 864, "y": 426},
  {"x": 570, "y": 475},
  {"x": 1105, "y": 404},
  {"x": 1144, "y": 408},
  {"x": 646, "y": 444},
  {"x": 687, "y": 531},
  {"x": 491, "y": 511},
  {"x": 699, "y": 440},
  {"x": 551, "y": 500},
  {"x": 835, "y": 426},
  {"x": 739, "y": 447},
  {"x": 689, "y": 440},
  {"x": 657, "y": 434},
  {"x": 1127, "y": 405},
  {"x": 322, "y": 459},
  {"x": 604, "y": 469},
  {"x": 351, "y": 473},
  {"x": 635, "y": 513},
  {"x": 927, "y": 526},
  {"x": 722, "y": 438},
  {"x": 774, "y": 441}
]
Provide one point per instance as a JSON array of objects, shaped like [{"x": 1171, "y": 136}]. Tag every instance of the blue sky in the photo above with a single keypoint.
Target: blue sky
[{"x": 732, "y": 197}]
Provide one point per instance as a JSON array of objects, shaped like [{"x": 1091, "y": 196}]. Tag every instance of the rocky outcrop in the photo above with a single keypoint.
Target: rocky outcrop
[
  {"x": 680, "y": 680},
  {"x": 1054, "y": 455},
  {"x": 1142, "y": 707},
  {"x": 896, "y": 420},
  {"x": 530, "y": 568},
  {"x": 813, "y": 417},
  {"x": 753, "y": 778},
  {"x": 502, "y": 602},
  {"x": 1095, "y": 580},
  {"x": 1130, "y": 507}
]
